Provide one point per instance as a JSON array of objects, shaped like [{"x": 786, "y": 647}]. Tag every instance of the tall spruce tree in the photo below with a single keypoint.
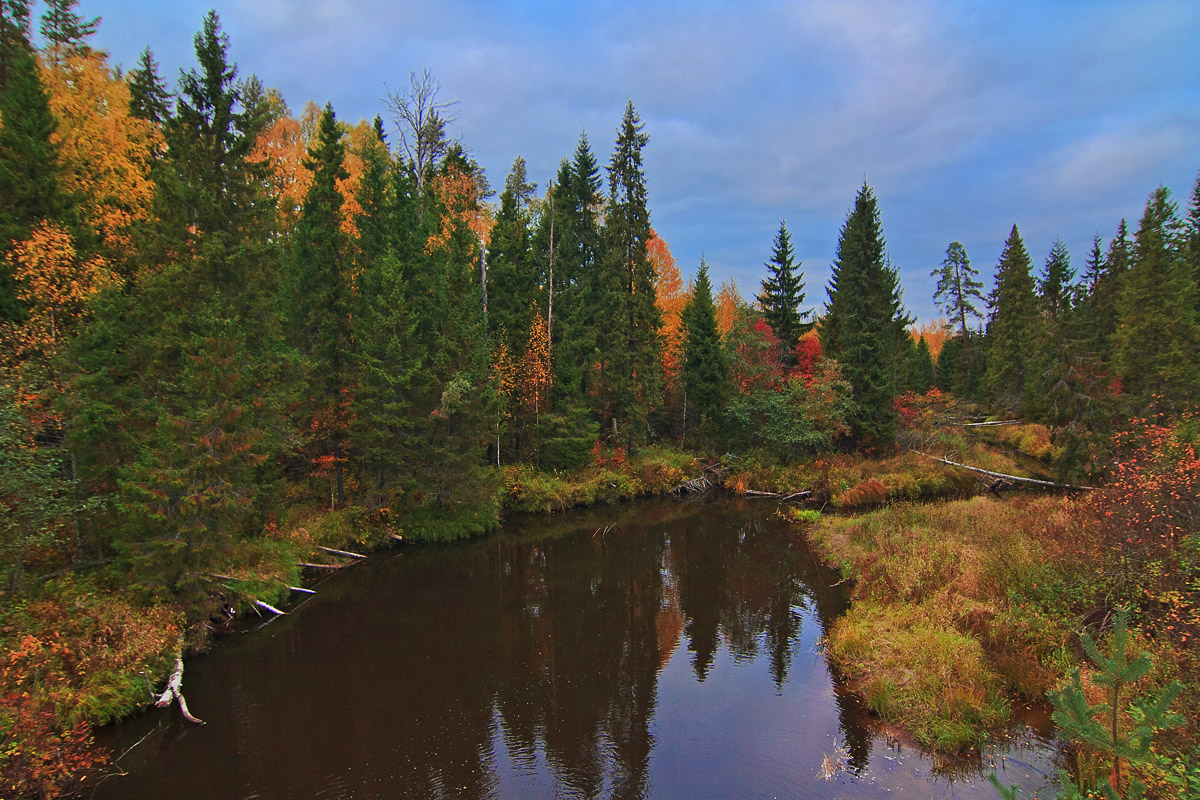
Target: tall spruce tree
[
  {"x": 1157, "y": 344},
  {"x": 511, "y": 271},
  {"x": 629, "y": 321},
  {"x": 1010, "y": 329},
  {"x": 705, "y": 371},
  {"x": 1056, "y": 283},
  {"x": 320, "y": 304},
  {"x": 958, "y": 288},
  {"x": 864, "y": 324},
  {"x": 194, "y": 459},
  {"x": 782, "y": 294}
]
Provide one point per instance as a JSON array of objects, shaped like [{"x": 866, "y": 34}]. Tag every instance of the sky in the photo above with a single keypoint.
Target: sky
[{"x": 964, "y": 117}]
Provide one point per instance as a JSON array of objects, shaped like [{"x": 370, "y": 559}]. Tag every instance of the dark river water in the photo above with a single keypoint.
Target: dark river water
[{"x": 661, "y": 649}]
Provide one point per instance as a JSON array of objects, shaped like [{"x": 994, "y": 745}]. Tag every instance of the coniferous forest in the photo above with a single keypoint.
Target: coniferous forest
[{"x": 240, "y": 338}]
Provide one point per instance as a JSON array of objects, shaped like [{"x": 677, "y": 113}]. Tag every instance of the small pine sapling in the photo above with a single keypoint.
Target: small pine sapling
[{"x": 1099, "y": 726}]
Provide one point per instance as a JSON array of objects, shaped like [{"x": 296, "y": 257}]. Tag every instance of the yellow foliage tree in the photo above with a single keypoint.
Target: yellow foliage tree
[
  {"x": 536, "y": 372},
  {"x": 729, "y": 300},
  {"x": 104, "y": 152}
]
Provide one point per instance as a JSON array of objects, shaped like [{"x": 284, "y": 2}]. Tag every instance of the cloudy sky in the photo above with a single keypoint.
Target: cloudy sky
[{"x": 965, "y": 117}]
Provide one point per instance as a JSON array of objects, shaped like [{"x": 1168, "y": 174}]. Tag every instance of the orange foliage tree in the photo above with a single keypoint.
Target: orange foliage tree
[
  {"x": 457, "y": 193},
  {"x": 670, "y": 297},
  {"x": 729, "y": 300},
  {"x": 283, "y": 146},
  {"x": 935, "y": 333},
  {"x": 104, "y": 151}
]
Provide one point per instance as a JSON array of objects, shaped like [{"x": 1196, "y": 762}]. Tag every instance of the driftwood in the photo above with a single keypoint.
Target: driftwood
[
  {"x": 269, "y": 607},
  {"x": 397, "y": 537},
  {"x": 302, "y": 590},
  {"x": 1014, "y": 478},
  {"x": 693, "y": 486},
  {"x": 309, "y": 565},
  {"x": 174, "y": 691},
  {"x": 796, "y": 496},
  {"x": 753, "y": 493},
  {"x": 346, "y": 553}
]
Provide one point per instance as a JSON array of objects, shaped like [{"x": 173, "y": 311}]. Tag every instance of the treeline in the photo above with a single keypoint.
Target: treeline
[{"x": 214, "y": 307}]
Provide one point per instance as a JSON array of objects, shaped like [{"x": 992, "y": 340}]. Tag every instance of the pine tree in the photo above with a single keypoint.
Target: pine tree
[
  {"x": 320, "y": 307},
  {"x": 1010, "y": 328},
  {"x": 705, "y": 372},
  {"x": 1157, "y": 344},
  {"x": 628, "y": 321},
  {"x": 957, "y": 287},
  {"x": 864, "y": 324},
  {"x": 783, "y": 292},
  {"x": 148, "y": 95}
]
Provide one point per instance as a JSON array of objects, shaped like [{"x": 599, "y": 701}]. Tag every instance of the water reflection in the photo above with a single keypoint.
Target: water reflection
[{"x": 661, "y": 649}]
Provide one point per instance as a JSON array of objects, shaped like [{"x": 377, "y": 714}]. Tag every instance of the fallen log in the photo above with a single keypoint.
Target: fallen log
[
  {"x": 269, "y": 607},
  {"x": 397, "y": 537},
  {"x": 1002, "y": 476},
  {"x": 753, "y": 493},
  {"x": 310, "y": 565},
  {"x": 301, "y": 589},
  {"x": 796, "y": 495},
  {"x": 174, "y": 691},
  {"x": 994, "y": 422},
  {"x": 346, "y": 553}
]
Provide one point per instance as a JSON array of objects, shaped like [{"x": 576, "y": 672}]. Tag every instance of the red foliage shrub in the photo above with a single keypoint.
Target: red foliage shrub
[{"x": 871, "y": 492}]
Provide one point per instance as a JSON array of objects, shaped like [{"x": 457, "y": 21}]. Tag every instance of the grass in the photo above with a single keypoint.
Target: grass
[{"x": 953, "y": 606}]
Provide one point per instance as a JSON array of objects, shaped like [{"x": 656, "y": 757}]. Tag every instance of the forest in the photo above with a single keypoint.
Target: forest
[{"x": 238, "y": 340}]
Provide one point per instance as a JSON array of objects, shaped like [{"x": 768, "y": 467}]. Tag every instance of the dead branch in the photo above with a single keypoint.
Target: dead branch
[
  {"x": 1002, "y": 476},
  {"x": 753, "y": 493},
  {"x": 986, "y": 424},
  {"x": 309, "y": 565},
  {"x": 796, "y": 495},
  {"x": 302, "y": 590}
]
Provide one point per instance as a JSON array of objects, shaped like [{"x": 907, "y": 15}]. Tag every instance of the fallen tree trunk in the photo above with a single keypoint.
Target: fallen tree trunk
[
  {"x": 1015, "y": 478},
  {"x": 269, "y": 607},
  {"x": 796, "y": 495},
  {"x": 309, "y": 565},
  {"x": 754, "y": 493},
  {"x": 174, "y": 691},
  {"x": 302, "y": 590},
  {"x": 346, "y": 553},
  {"x": 995, "y": 422}
]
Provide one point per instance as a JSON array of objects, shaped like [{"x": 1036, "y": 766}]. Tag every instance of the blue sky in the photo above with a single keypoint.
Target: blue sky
[{"x": 965, "y": 117}]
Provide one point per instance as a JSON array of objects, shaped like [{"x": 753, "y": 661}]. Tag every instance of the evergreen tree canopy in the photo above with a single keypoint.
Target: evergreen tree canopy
[
  {"x": 864, "y": 323},
  {"x": 511, "y": 272},
  {"x": 783, "y": 292},
  {"x": 1010, "y": 328},
  {"x": 705, "y": 372},
  {"x": 1157, "y": 344},
  {"x": 148, "y": 95},
  {"x": 65, "y": 32},
  {"x": 629, "y": 321},
  {"x": 1055, "y": 286}
]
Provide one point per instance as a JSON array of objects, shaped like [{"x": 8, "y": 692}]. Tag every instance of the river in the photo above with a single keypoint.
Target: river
[{"x": 659, "y": 649}]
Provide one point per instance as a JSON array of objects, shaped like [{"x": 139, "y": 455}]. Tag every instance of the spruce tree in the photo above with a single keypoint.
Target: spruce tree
[
  {"x": 320, "y": 308},
  {"x": 1010, "y": 329},
  {"x": 65, "y": 32},
  {"x": 1157, "y": 344},
  {"x": 705, "y": 372},
  {"x": 921, "y": 376},
  {"x": 864, "y": 323},
  {"x": 628, "y": 320},
  {"x": 148, "y": 95},
  {"x": 782, "y": 294},
  {"x": 1055, "y": 286},
  {"x": 196, "y": 458},
  {"x": 511, "y": 272}
]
